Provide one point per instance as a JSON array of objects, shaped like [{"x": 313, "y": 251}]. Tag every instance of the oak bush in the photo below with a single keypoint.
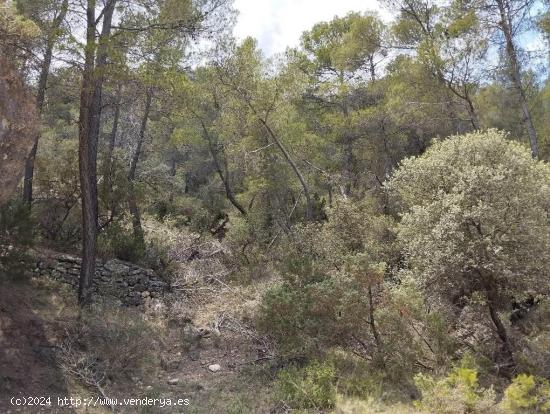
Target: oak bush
[{"x": 474, "y": 224}]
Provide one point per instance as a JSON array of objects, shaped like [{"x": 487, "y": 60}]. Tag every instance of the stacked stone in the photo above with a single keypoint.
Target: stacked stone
[{"x": 132, "y": 284}]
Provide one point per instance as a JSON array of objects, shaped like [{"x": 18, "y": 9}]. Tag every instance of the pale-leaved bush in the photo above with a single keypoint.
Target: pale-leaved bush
[{"x": 475, "y": 220}]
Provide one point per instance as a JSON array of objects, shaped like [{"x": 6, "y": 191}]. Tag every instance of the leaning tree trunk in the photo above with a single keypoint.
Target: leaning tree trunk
[
  {"x": 224, "y": 177},
  {"x": 309, "y": 205},
  {"x": 286, "y": 155},
  {"x": 90, "y": 114},
  {"x": 40, "y": 95},
  {"x": 132, "y": 202},
  {"x": 515, "y": 75},
  {"x": 501, "y": 333}
]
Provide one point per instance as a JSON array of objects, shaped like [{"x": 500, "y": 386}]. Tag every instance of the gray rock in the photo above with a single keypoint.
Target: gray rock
[
  {"x": 214, "y": 367},
  {"x": 133, "y": 299},
  {"x": 156, "y": 305},
  {"x": 157, "y": 285},
  {"x": 133, "y": 280},
  {"x": 69, "y": 258},
  {"x": 116, "y": 267},
  {"x": 133, "y": 285},
  {"x": 173, "y": 381}
]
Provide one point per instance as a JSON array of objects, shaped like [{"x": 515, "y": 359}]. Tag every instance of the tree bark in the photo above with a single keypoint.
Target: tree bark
[
  {"x": 173, "y": 166},
  {"x": 349, "y": 160},
  {"x": 141, "y": 136},
  {"x": 309, "y": 206},
  {"x": 113, "y": 133},
  {"x": 90, "y": 114},
  {"x": 515, "y": 75},
  {"x": 474, "y": 120},
  {"x": 40, "y": 95},
  {"x": 108, "y": 170},
  {"x": 348, "y": 164},
  {"x": 224, "y": 177},
  {"x": 372, "y": 322},
  {"x": 501, "y": 331},
  {"x": 86, "y": 161},
  {"x": 132, "y": 202},
  {"x": 288, "y": 158}
]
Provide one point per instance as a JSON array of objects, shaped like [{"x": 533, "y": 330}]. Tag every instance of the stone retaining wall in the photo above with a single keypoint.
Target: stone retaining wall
[{"x": 131, "y": 284}]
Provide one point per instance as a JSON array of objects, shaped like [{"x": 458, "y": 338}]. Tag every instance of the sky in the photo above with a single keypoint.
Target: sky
[{"x": 278, "y": 24}]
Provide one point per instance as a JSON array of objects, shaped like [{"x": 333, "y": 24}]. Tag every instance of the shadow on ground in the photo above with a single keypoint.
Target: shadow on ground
[{"x": 28, "y": 365}]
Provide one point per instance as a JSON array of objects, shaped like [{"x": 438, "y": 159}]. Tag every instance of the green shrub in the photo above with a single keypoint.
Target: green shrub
[
  {"x": 119, "y": 242},
  {"x": 291, "y": 317},
  {"x": 328, "y": 271},
  {"x": 184, "y": 211},
  {"x": 535, "y": 341},
  {"x": 357, "y": 378},
  {"x": 59, "y": 222},
  {"x": 458, "y": 393},
  {"x": 527, "y": 394},
  {"x": 16, "y": 236},
  {"x": 56, "y": 187},
  {"x": 157, "y": 257},
  {"x": 246, "y": 238},
  {"x": 309, "y": 387}
]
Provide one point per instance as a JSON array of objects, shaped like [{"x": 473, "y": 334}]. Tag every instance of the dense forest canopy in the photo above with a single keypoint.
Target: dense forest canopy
[{"x": 389, "y": 178}]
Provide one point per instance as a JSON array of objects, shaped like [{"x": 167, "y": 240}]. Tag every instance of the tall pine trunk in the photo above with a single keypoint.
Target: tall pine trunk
[
  {"x": 109, "y": 165},
  {"x": 515, "y": 76},
  {"x": 40, "y": 97},
  {"x": 132, "y": 202},
  {"x": 89, "y": 123}
]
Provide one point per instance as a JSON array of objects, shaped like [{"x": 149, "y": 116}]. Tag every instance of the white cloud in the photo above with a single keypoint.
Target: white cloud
[{"x": 278, "y": 24}]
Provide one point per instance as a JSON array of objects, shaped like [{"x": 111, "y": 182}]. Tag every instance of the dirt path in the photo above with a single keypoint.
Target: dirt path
[{"x": 228, "y": 371}]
